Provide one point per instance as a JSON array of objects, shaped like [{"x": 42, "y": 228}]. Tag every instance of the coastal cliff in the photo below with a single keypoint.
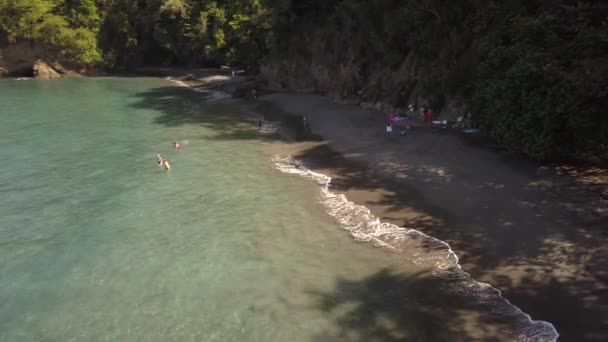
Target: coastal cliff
[{"x": 31, "y": 60}]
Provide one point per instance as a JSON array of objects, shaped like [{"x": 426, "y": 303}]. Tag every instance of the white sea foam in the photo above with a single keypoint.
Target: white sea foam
[
  {"x": 211, "y": 95},
  {"x": 179, "y": 83},
  {"x": 421, "y": 249}
]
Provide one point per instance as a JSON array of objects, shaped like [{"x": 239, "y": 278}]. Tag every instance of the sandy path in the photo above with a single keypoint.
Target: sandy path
[{"x": 537, "y": 233}]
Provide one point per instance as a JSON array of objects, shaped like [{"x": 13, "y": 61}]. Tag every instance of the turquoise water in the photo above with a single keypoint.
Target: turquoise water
[{"x": 98, "y": 244}]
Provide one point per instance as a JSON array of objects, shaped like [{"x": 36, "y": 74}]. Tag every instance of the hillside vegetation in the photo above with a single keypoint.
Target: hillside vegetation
[{"x": 532, "y": 73}]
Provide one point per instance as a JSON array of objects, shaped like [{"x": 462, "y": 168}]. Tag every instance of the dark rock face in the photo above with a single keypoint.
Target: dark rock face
[{"x": 27, "y": 59}]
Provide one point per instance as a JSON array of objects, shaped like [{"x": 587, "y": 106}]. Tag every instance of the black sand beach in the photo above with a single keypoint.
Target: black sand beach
[{"x": 535, "y": 232}]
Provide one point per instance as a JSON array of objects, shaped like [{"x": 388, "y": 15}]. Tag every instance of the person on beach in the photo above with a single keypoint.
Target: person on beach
[
  {"x": 260, "y": 123},
  {"x": 177, "y": 146},
  {"x": 429, "y": 116},
  {"x": 423, "y": 113},
  {"x": 389, "y": 129},
  {"x": 305, "y": 124}
]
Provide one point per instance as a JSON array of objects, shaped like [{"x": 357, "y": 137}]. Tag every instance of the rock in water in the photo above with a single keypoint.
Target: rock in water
[{"x": 43, "y": 70}]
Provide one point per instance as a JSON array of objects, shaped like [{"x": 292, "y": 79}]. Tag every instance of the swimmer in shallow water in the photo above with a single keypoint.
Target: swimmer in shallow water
[
  {"x": 166, "y": 165},
  {"x": 177, "y": 146},
  {"x": 159, "y": 160}
]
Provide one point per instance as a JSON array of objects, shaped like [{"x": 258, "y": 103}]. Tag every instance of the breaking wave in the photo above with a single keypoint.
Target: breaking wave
[{"x": 423, "y": 250}]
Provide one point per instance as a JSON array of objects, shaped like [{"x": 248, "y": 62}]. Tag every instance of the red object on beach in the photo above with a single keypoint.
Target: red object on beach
[
  {"x": 429, "y": 116},
  {"x": 392, "y": 117}
]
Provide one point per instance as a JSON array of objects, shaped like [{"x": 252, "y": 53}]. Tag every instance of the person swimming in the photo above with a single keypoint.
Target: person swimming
[
  {"x": 177, "y": 146},
  {"x": 166, "y": 165},
  {"x": 159, "y": 160}
]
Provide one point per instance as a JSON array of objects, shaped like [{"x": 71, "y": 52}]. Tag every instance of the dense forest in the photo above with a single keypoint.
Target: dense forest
[
  {"x": 119, "y": 34},
  {"x": 532, "y": 73}
]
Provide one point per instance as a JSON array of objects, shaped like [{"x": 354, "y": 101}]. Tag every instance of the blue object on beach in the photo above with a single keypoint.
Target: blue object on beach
[{"x": 471, "y": 130}]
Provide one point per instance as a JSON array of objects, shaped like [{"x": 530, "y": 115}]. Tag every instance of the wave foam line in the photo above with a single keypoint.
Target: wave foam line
[
  {"x": 179, "y": 83},
  {"x": 213, "y": 95},
  {"x": 422, "y": 249}
]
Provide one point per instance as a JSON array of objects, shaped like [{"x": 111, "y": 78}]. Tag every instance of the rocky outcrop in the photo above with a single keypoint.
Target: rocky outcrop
[
  {"x": 43, "y": 70},
  {"x": 27, "y": 59}
]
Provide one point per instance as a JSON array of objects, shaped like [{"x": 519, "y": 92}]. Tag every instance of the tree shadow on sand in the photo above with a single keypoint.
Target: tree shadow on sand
[
  {"x": 553, "y": 274},
  {"x": 389, "y": 306}
]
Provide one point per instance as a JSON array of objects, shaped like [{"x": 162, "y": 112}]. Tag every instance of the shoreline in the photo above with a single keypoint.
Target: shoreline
[
  {"x": 292, "y": 140},
  {"x": 199, "y": 79},
  {"x": 352, "y": 217},
  {"x": 354, "y": 171},
  {"x": 536, "y": 233},
  {"x": 548, "y": 273},
  {"x": 205, "y": 79}
]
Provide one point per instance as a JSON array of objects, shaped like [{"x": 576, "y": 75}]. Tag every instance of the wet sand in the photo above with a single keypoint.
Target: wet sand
[{"x": 535, "y": 232}]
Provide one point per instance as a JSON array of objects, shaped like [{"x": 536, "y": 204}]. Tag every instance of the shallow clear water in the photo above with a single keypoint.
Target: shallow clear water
[{"x": 98, "y": 244}]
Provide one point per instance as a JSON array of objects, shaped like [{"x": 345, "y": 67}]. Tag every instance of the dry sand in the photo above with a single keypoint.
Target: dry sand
[{"x": 538, "y": 233}]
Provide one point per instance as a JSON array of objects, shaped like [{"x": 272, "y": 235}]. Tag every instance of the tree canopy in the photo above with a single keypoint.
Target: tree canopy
[
  {"x": 533, "y": 72},
  {"x": 123, "y": 33}
]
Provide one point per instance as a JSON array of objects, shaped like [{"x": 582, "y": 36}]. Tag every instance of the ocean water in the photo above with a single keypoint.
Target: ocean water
[{"x": 98, "y": 244}]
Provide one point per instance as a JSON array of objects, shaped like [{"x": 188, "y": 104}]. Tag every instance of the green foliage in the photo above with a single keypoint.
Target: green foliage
[
  {"x": 534, "y": 73},
  {"x": 23, "y": 19},
  {"x": 68, "y": 36},
  {"x": 541, "y": 88},
  {"x": 83, "y": 14},
  {"x": 126, "y": 33}
]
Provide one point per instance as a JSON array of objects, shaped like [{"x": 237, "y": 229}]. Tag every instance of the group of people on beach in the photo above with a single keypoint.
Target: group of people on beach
[
  {"x": 405, "y": 126},
  {"x": 396, "y": 119},
  {"x": 163, "y": 162}
]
